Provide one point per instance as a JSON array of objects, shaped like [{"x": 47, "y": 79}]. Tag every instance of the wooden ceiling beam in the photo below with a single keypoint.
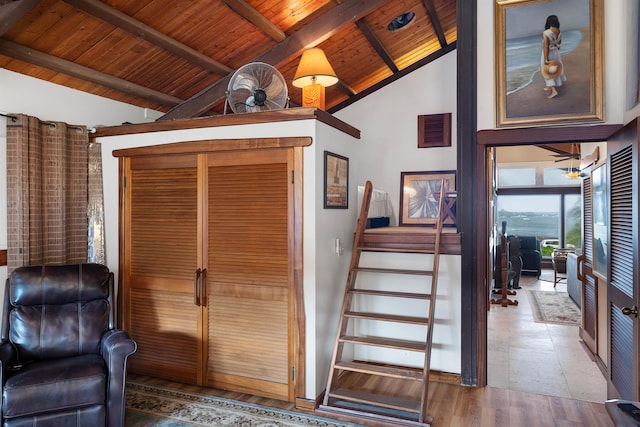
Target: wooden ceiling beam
[
  {"x": 114, "y": 17},
  {"x": 311, "y": 35},
  {"x": 435, "y": 21},
  {"x": 245, "y": 10},
  {"x": 12, "y": 12},
  {"x": 50, "y": 62},
  {"x": 375, "y": 43}
]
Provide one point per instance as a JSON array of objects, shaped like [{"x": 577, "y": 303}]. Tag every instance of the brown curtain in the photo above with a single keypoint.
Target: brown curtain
[{"x": 47, "y": 164}]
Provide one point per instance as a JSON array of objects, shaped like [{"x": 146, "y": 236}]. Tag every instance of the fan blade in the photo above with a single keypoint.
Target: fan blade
[
  {"x": 250, "y": 102},
  {"x": 272, "y": 104},
  {"x": 245, "y": 81},
  {"x": 274, "y": 88}
]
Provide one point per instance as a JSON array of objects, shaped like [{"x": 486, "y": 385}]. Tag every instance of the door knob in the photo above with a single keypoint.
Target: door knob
[{"x": 630, "y": 311}]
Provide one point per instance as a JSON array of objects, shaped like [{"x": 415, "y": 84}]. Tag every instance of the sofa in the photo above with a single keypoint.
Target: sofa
[{"x": 531, "y": 255}]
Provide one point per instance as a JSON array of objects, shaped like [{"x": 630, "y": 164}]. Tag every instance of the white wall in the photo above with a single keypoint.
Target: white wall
[{"x": 388, "y": 120}]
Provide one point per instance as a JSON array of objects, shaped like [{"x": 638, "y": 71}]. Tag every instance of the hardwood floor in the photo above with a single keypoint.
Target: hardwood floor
[{"x": 454, "y": 405}]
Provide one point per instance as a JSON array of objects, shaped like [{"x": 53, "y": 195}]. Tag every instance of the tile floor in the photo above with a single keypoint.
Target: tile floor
[{"x": 540, "y": 358}]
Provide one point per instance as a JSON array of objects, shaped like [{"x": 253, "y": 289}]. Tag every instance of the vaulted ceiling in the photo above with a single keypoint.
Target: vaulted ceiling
[{"x": 177, "y": 56}]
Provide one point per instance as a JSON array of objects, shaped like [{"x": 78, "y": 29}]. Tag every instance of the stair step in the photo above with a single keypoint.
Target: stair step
[
  {"x": 389, "y": 402},
  {"x": 386, "y": 371},
  {"x": 388, "y": 317},
  {"x": 395, "y": 271},
  {"x": 385, "y": 342},
  {"x": 411, "y": 295},
  {"x": 376, "y": 416},
  {"x": 404, "y": 250}
]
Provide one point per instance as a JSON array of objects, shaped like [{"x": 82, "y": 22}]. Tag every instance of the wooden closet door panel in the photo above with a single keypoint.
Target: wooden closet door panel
[
  {"x": 249, "y": 288},
  {"x": 161, "y": 248}
]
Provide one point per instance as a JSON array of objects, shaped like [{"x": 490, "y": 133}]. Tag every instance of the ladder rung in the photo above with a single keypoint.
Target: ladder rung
[
  {"x": 385, "y": 342},
  {"x": 387, "y": 371},
  {"x": 395, "y": 271},
  {"x": 411, "y": 295},
  {"x": 388, "y": 317},
  {"x": 380, "y": 400},
  {"x": 404, "y": 250}
]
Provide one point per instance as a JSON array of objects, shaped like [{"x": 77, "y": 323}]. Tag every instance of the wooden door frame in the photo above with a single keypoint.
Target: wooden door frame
[
  {"x": 503, "y": 138},
  {"x": 295, "y": 146}
]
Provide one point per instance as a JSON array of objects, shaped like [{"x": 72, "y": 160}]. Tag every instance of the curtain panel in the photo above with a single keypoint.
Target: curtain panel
[{"x": 47, "y": 184}]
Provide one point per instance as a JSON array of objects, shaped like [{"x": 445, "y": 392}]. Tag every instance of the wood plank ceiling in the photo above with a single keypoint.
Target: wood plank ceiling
[{"x": 177, "y": 56}]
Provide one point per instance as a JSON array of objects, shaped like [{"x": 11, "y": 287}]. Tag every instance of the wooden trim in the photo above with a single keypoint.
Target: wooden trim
[
  {"x": 3, "y": 257},
  {"x": 408, "y": 238},
  {"x": 213, "y": 145},
  {"x": 289, "y": 114},
  {"x": 538, "y": 136},
  {"x": 473, "y": 325}
]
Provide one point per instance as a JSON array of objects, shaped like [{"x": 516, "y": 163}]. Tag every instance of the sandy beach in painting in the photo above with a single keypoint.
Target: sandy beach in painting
[{"x": 574, "y": 96}]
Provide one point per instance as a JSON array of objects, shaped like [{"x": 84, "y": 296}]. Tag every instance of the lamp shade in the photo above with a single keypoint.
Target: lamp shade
[{"x": 314, "y": 68}]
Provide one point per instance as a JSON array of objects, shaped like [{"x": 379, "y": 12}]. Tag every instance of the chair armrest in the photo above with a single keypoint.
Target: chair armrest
[
  {"x": 8, "y": 355},
  {"x": 8, "y": 359},
  {"x": 116, "y": 347}
]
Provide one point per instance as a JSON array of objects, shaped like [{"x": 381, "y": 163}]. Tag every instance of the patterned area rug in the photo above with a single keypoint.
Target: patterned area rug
[
  {"x": 148, "y": 405},
  {"x": 554, "y": 307}
]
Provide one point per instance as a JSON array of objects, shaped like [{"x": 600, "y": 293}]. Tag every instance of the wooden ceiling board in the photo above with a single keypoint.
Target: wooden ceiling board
[
  {"x": 286, "y": 14},
  {"x": 353, "y": 58},
  {"x": 213, "y": 29}
]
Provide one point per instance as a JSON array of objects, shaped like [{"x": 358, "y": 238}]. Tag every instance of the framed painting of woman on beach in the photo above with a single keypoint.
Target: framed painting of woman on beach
[{"x": 548, "y": 62}]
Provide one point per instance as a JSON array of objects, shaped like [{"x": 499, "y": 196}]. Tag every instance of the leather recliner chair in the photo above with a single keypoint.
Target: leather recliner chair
[
  {"x": 531, "y": 255},
  {"x": 62, "y": 361}
]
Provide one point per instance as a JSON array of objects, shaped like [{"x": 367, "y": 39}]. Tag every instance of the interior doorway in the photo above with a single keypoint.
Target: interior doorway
[{"x": 536, "y": 196}]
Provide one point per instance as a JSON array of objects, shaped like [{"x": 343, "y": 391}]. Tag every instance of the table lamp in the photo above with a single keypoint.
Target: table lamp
[{"x": 314, "y": 73}]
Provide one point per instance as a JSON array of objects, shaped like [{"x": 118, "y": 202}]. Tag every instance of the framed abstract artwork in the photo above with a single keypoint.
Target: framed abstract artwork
[{"x": 419, "y": 197}]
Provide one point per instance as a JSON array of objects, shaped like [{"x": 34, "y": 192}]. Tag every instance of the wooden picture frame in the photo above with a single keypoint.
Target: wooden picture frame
[
  {"x": 336, "y": 181},
  {"x": 522, "y": 95},
  {"x": 418, "y": 197},
  {"x": 600, "y": 209}
]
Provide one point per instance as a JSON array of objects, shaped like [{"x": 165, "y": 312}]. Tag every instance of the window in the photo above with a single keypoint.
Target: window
[
  {"x": 516, "y": 177},
  {"x": 555, "y": 219}
]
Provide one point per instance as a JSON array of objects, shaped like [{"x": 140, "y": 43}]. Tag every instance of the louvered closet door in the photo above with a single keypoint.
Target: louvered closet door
[
  {"x": 161, "y": 247},
  {"x": 622, "y": 289},
  {"x": 249, "y": 293},
  {"x": 589, "y": 326}
]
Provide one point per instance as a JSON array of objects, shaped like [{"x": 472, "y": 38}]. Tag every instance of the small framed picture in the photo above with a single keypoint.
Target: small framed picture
[
  {"x": 336, "y": 181},
  {"x": 419, "y": 197}
]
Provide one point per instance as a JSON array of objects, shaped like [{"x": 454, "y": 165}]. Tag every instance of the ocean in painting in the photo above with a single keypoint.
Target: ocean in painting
[{"x": 523, "y": 57}]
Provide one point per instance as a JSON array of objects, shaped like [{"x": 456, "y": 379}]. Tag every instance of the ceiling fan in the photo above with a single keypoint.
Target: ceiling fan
[{"x": 566, "y": 156}]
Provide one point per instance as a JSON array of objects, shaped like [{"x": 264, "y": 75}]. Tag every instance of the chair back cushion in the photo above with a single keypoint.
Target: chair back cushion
[{"x": 58, "y": 311}]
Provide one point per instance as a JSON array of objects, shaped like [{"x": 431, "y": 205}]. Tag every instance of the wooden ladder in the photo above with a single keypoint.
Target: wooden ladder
[{"x": 347, "y": 398}]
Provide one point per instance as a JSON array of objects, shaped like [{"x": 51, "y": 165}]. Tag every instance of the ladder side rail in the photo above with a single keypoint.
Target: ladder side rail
[
  {"x": 432, "y": 301},
  {"x": 351, "y": 280}
]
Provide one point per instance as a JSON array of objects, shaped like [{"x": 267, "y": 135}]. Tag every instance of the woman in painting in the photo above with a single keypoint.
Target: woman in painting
[{"x": 551, "y": 61}]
